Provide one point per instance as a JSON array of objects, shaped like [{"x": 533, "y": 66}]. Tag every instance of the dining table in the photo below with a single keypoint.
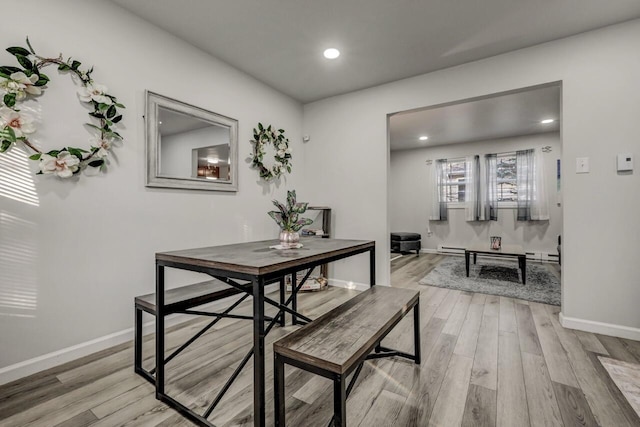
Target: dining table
[{"x": 249, "y": 267}]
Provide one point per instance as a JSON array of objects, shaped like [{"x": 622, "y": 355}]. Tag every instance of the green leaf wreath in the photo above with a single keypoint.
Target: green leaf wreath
[
  {"x": 20, "y": 83},
  {"x": 269, "y": 135},
  {"x": 288, "y": 216}
]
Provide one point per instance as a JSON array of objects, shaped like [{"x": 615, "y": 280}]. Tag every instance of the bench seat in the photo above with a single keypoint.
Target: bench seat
[
  {"x": 338, "y": 342},
  {"x": 189, "y": 296},
  {"x": 178, "y": 300}
]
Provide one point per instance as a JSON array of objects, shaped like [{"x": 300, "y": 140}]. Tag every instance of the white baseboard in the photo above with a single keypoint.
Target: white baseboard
[
  {"x": 50, "y": 360},
  {"x": 428, "y": 251},
  {"x": 619, "y": 331},
  {"x": 58, "y": 357},
  {"x": 348, "y": 285}
]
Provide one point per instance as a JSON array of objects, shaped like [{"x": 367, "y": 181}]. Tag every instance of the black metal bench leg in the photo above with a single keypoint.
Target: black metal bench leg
[
  {"x": 416, "y": 331},
  {"x": 137, "y": 361},
  {"x": 339, "y": 402},
  {"x": 278, "y": 387}
]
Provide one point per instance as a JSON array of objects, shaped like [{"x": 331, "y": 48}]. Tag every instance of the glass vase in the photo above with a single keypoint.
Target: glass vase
[{"x": 289, "y": 239}]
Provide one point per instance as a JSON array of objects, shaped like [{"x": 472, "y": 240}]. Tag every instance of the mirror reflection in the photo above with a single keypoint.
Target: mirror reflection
[{"x": 189, "y": 147}]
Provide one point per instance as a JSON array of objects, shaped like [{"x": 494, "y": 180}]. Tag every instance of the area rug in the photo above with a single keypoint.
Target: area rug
[
  {"x": 626, "y": 376},
  {"x": 496, "y": 277}
]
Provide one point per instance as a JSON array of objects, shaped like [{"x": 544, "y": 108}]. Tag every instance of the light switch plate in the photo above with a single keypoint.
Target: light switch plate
[
  {"x": 625, "y": 162},
  {"x": 582, "y": 165}
]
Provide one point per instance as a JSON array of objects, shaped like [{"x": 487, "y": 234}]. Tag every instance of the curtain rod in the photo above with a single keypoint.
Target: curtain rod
[{"x": 545, "y": 149}]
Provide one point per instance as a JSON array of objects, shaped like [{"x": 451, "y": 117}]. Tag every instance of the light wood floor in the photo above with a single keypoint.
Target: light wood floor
[{"x": 486, "y": 361}]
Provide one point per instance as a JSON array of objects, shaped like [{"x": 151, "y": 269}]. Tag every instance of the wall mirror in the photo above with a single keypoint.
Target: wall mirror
[{"x": 189, "y": 147}]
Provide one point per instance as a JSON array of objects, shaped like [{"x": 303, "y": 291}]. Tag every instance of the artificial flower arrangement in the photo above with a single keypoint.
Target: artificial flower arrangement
[
  {"x": 270, "y": 135},
  {"x": 288, "y": 218},
  {"x": 21, "y": 83}
]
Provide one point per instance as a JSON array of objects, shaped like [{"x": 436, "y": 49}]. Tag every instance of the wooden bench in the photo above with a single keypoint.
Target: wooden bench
[
  {"x": 180, "y": 300},
  {"x": 341, "y": 340}
]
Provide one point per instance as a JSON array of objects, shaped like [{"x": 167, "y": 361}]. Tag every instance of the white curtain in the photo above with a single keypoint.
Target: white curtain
[
  {"x": 438, "y": 191},
  {"x": 473, "y": 195},
  {"x": 491, "y": 191},
  {"x": 530, "y": 182}
]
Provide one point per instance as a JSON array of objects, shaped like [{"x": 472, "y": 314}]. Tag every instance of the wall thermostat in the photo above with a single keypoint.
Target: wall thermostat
[{"x": 625, "y": 162}]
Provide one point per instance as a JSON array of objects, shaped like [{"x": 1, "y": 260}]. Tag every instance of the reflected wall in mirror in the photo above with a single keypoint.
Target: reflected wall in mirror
[{"x": 189, "y": 147}]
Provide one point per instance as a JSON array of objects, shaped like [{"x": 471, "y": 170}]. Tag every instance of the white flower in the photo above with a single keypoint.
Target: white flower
[
  {"x": 103, "y": 146},
  {"x": 94, "y": 92},
  {"x": 19, "y": 83},
  {"x": 21, "y": 123},
  {"x": 282, "y": 147},
  {"x": 280, "y": 153},
  {"x": 64, "y": 165}
]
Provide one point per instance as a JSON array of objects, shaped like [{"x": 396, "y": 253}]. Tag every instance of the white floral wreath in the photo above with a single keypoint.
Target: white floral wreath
[
  {"x": 263, "y": 136},
  {"x": 19, "y": 83}
]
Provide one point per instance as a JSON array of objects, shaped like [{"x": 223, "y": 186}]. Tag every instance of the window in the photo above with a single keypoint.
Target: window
[
  {"x": 455, "y": 181},
  {"x": 506, "y": 171}
]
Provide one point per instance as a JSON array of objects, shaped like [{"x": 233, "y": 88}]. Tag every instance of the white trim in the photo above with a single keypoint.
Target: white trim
[
  {"x": 610, "y": 329},
  {"x": 58, "y": 357},
  {"x": 49, "y": 360},
  {"x": 395, "y": 256},
  {"x": 428, "y": 251},
  {"x": 348, "y": 284}
]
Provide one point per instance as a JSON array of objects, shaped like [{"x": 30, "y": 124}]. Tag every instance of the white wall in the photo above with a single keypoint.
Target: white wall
[
  {"x": 599, "y": 71},
  {"x": 85, "y": 247},
  {"x": 410, "y": 196}
]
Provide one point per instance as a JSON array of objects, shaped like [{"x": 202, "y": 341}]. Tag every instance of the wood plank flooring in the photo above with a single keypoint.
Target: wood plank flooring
[{"x": 487, "y": 361}]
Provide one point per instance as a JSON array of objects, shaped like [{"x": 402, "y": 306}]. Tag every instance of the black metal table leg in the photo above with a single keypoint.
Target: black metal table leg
[
  {"x": 416, "y": 331},
  {"x": 159, "y": 331},
  {"x": 294, "y": 294},
  {"x": 523, "y": 268},
  {"x": 466, "y": 261},
  {"x": 282, "y": 299},
  {"x": 258, "y": 352},
  {"x": 372, "y": 279},
  {"x": 372, "y": 266}
]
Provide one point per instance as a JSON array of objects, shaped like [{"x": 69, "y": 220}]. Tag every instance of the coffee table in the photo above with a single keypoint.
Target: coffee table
[{"x": 504, "y": 251}]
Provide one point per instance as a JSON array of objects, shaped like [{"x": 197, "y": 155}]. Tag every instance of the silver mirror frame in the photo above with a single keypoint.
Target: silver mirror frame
[{"x": 152, "y": 135}]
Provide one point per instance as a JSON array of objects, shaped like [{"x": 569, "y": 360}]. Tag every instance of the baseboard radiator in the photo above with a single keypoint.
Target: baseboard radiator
[{"x": 533, "y": 256}]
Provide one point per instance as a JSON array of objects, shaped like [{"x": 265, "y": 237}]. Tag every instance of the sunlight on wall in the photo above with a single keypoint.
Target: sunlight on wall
[
  {"x": 18, "y": 255},
  {"x": 16, "y": 178}
]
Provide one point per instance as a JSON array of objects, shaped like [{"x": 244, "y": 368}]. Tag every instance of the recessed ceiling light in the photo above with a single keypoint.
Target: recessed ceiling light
[
  {"x": 423, "y": 138},
  {"x": 547, "y": 121},
  {"x": 331, "y": 53}
]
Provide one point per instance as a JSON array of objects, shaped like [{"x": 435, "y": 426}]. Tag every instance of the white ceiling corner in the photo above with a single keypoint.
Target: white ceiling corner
[{"x": 280, "y": 42}]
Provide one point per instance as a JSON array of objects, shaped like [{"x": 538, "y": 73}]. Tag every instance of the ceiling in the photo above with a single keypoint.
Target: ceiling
[
  {"x": 280, "y": 42},
  {"x": 499, "y": 116}
]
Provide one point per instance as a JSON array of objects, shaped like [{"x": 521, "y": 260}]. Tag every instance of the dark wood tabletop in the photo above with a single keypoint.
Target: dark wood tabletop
[{"x": 257, "y": 258}]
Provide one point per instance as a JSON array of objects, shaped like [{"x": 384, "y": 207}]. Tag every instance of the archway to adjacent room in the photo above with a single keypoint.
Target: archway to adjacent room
[{"x": 437, "y": 206}]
